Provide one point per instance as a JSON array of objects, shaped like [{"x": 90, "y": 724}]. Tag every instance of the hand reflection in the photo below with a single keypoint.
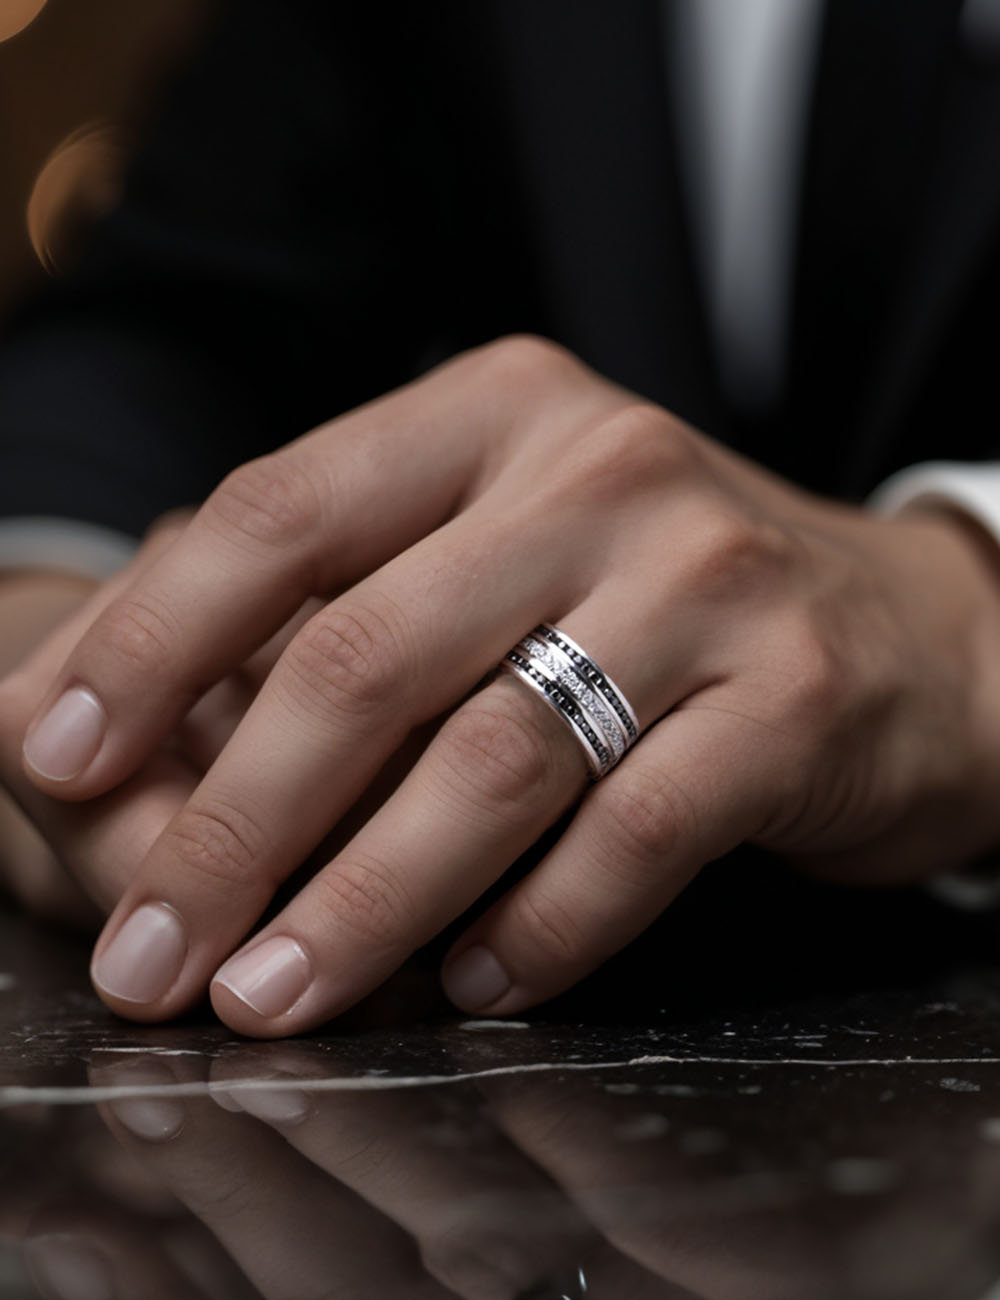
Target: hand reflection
[
  {"x": 411, "y": 1192},
  {"x": 770, "y": 1206},
  {"x": 294, "y": 1232},
  {"x": 503, "y": 1189},
  {"x": 95, "y": 1223},
  {"x": 490, "y": 1224}
]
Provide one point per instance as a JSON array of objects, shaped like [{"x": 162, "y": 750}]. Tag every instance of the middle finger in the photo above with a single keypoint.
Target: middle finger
[{"x": 380, "y": 660}]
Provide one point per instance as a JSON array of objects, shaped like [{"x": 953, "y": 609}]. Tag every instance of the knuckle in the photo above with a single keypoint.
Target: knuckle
[
  {"x": 644, "y": 823},
  {"x": 364, "y": 1158},
  {"x": 216, "y": 842},
  {"x": 525, "y": 359},
  {"x": 732, "y": 554},
  {"x": 346, "y": 659},
  {"x": 270, "y": 500},
  {"x": 812, "y": 678},
  {"x": 224, "y": 1201},
  {"x": 364, "y": 896},
  {"x": 498, "y": 754},
  {"x": 637, "y": 446},
  {"x": 139, "y": 634},
  {"x": 546, "y": 927}
]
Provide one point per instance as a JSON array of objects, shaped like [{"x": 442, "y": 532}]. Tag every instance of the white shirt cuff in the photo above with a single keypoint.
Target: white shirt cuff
[
  {"x": 971, "y": 488},
  {"x": 67, "y": 545}
]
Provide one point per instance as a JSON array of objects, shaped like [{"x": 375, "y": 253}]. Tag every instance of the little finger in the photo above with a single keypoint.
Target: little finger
[{"x": 695, "y": 787}]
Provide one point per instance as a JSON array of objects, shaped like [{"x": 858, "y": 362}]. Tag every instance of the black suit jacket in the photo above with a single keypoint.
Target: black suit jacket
[{"x": 335, "y": 196}]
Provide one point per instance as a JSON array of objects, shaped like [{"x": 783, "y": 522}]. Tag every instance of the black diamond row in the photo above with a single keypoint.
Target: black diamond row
[
  {"x": 573, "y": 671},
  {"x": 592, "y": 675},
  {"x": 564, "y": 702}
]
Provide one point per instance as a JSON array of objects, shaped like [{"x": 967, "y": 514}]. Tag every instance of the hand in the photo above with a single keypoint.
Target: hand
[
  {"x": 811, "y": 678},
  {"x": 71, "y": 862}
]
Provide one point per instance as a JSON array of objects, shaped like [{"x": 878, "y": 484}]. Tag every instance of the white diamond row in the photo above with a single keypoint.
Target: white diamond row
[{"x": 585, "y": 698}]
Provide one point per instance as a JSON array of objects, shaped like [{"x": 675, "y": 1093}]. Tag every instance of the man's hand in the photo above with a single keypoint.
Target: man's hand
[{"x": 809, "y": 677}]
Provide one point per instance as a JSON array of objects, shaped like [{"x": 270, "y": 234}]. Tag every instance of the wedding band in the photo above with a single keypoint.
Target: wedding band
[
  {"x": 579, "y": 691},
  {"x": 565, "y": 672},
  {"x": 601, "y": 680}
]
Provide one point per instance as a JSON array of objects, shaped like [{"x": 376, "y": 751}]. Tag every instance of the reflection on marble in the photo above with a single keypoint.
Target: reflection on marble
[{"x": 837, "y": 1140}]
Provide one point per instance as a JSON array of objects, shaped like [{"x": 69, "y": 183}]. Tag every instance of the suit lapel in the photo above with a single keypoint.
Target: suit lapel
[
  {"x": 900, "y": 195},
  {"x": 583, "y": 88}
]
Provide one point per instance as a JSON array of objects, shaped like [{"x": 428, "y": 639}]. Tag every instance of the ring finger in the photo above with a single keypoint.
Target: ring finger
[{"x": 502, "y": 770}]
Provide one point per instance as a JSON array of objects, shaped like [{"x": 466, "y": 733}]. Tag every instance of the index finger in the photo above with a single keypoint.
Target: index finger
[{"x": 309, "y": 519}]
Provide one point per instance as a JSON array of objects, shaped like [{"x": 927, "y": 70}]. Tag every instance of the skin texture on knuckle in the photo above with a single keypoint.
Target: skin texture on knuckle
[
  {"x": 225, "y": 1201},
  {"x": 363, "y": 1162},
  {"x": 730, "y": 557},
  {"x": 218, "y": 844},
  {"x": 497, "y": 756},
  {"x": 636, "y": 450},
  {"x": 645, "y": 824},
  {"x": 813, "y": 686},
  {"x": 271, "y": 501},
  {"x": 366, "y": 898},
  {"x": 140, "y": 636},
  {"x": 546, "y": 930},
  {"x": 346, "y": 659}
]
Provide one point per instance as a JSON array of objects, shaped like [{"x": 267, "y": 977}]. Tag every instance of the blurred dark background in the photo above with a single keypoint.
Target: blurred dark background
[{"x": 77, "y": 80}]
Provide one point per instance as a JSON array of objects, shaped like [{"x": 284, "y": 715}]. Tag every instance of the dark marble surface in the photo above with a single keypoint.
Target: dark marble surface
[{"x": 797, "y": 1103}]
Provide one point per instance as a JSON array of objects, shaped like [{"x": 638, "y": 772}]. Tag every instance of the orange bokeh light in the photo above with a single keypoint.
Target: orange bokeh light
[
  {"x": 78, "y": 183},
  {"x": 16, "y": 15}
]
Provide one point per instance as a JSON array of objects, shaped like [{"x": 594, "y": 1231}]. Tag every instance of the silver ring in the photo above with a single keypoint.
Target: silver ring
[
  {"x": 564, "y": 671},
  {"x": 579, "y": 691}
]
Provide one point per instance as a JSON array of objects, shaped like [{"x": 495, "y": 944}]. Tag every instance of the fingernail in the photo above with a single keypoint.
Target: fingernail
[
  {"x": 68, "y": 736},
  {"x": 145, "y": 957},
  {"x": 273, "y": 1105},
  {"x": 222, "y": 1096},
  {"x": 475, "y": 979},
  {"x": 153, "y": 1119},
  {"x": 68, "y": 1268},
  {"x": 270, "y": 978}
]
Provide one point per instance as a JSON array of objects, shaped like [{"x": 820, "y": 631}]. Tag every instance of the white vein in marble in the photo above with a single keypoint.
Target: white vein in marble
[{"x": 21, "y": 1095}]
